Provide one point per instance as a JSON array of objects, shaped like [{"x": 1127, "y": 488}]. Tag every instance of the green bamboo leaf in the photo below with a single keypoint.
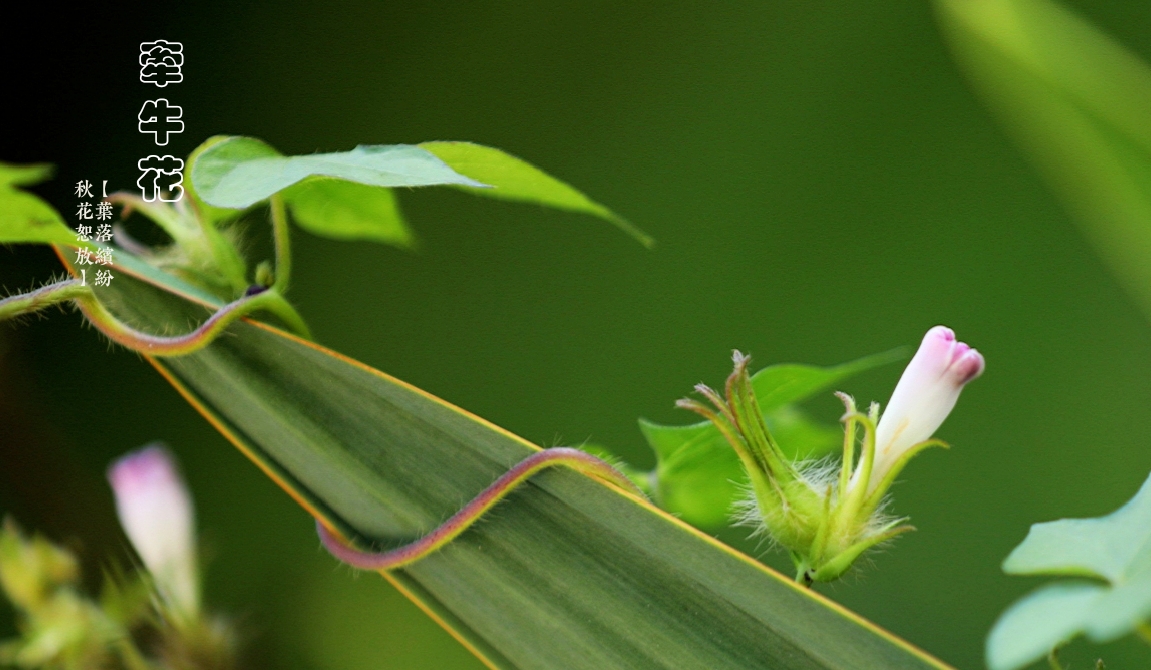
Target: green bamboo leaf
[
  {"x": 1114, "y": 549},
  {"x": 515, "y": 179},
  {"x": 1078, "y": 103},
  {"x": 24, "y": 217},
  {"x": 566, "y": 574},
  {"x": 699, "y": 478},
  {"x": 239, "y": 172}
]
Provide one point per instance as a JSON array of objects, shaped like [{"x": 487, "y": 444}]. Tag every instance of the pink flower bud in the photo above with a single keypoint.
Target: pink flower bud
[
  {"x": 924, "y": 396},
  {"x": 156, "y": 513}
]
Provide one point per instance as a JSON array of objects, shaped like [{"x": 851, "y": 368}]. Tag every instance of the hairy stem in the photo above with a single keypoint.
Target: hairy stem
[
  {"x": 283, "y": 310},
  {"x": 177, "y": 345},
  {"x": 463, "y": 519},
  {"x": 283, "y": 244},
  {"x": 45, "y": 296}
]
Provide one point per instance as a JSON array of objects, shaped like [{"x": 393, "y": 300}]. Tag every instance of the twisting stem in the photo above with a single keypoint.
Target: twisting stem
[
  {"x": 283, "y": 244},
  {"x": 45, "y": 296},
  {"x": 156, "y": 345},
  {"x": 463, "y": 519},
  {"x": 177, "y": 345}
]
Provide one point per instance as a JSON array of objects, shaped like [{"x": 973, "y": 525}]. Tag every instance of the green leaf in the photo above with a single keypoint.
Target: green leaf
[
  {"x": 1077, "y": 102},
  {"x": 698, "y": 476},
  {"x": 515, "y": 179},
  {"x": 780, "y": 385},
  {"x": 1115, "y": 549},
  {"x": 24, "y": 217},
  {"x": 238, "y": 172},
  {"x": 347, "y": 211},
  {"x": 216, "y": 215},
  {"x": 566, "y": 574}
]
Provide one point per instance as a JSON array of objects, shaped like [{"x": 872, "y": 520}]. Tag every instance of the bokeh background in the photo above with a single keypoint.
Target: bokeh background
[{"x": 822, "y": 185}]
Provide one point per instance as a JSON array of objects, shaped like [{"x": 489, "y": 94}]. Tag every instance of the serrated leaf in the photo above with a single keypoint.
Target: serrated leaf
[
  {"x": 515, "y": 179},
  {"x": 697, "y": 474},
  {"x": 1115, "y": 549},
  {"x": 239, "y": 172},
  {"x": 1077, "y": 102},
  {"x": 567, "y": 574},
  {"x": 24, "y": 217},
  {"x": 346, "y": 210}
]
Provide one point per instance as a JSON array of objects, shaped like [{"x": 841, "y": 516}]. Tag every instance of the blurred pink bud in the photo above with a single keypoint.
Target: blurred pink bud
[
  {"x": 924, "y": 396},
  {"x": 156, "y": 513}
]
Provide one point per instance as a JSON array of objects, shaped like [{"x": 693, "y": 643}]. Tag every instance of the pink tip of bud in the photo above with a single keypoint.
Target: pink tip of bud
[
  {"x": 142, "y": 470},
  {"x": 925, "y": 395},
  {"x": 968, "y": 365}
]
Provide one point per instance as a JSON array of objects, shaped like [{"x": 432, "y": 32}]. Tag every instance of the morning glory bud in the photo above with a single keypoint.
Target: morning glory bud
[
  {"x": 826, "y": 522},
  {"x": 156, "y": 512},
  {"x": 924, "y": 396}
]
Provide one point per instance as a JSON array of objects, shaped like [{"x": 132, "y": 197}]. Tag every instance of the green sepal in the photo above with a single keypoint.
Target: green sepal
[
  {"x": 839, "y": 564},
  {"x": 876, "y": 496},
  {"x": 700, "y": 478}
]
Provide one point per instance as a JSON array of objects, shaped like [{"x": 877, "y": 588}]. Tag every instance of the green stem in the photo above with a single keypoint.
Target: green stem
[
  {"x": 283, "y": 244},
  {"x": 285, "y": 312},
  {"x": 45, "y": 296}
]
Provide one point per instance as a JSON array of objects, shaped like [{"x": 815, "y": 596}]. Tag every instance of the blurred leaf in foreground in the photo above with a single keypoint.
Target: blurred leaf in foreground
[
  {"x": 1079, "y": 104},
  {"x": 1113, "y": 552}
]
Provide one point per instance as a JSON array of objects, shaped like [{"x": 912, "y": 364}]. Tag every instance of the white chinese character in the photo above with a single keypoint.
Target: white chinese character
[
  {"x": 160, "y": 62},
  {"x": 103, "y": 278},
  {"x": 84, "y": 211},
  {"x": 83, "y": 233},
  {"x": 160, "y": 118},
  {"x": 104, "y": 256},
  {"x": 153, "y": 183},
  {"x": 83, "y": 256},
  {"x": 104, "y": 232},
  {"x": 103, "y": 211},
  {"x": 84, "y": 189}
]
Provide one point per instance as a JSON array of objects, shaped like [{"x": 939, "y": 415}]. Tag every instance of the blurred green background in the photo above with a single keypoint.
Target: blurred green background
[{"x": 822, "y": 185}]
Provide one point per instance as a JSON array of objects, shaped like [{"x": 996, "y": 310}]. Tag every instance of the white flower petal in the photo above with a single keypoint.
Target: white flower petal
[
  {"x": 156, "y": 513},
  {"x": 924, "y": 396}
]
